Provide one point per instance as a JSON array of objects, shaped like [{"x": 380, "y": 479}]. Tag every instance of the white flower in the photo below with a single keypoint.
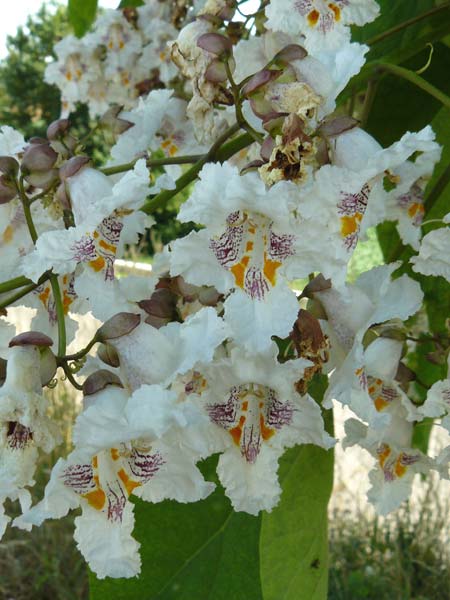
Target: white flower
[
  {"x": 405, "y": 203},
  {"x": 255, "y": 415},
  {"x": 324, "y": 24},
  {"x": 104, "y": 221},
  {"x": 396, "y": 462},
  {"x": 149, "y": 355},
  {"x": 12, "y": 142},
  {"x": 373, "y": 299},
  {"x": 247, "y": 241},
  {"x": 434, "y": 253},
  {"x": 121, "y": 449},
  {"x": 24, "y": 426}
]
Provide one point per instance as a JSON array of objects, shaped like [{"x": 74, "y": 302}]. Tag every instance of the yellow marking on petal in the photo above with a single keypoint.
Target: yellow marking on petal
[
  {"x": 67, "y": 301},
  {"x": 69, "y": 76},
  {"x": 173, "y": 150},
  {"x": 313, "y": 18},
  {"x": 350, "y": 224},
  {"x": 249, "y": 246},
  {"x": 97, "y": 264},
  {"x": 380, "y": 404},
  {"x": 96, "y": 234},
  {"x": 95, "y": 462},
  {"x": 43, "y": 296},
  {"x": 114, "y": 454},
  {"x": 336, "y": 10},
  {"x": 129, "y": 483},
  {"x": 383, "y": 455},
  {"x": 121, "y": 44},
  {"x": 166, "y": 143},
  {"x": 238, "y": 271},
  {"x": 8, "y": 234},
  {"x": 96, "y": 499},
  {"x": 399, "y": 469},
  {"x": 65, "y": 279},
  {"x": 251, "y": 229},
  {"x": 270, "y": 269},
  {"x": 245, "y": 405},
  {"x": 107, "y": 246},
  {"x": 236, "y": 432},
  {"x": 162, "y": 56},
  {"x": 266, "y": 432},
  {"x": 416, "y": 208},
  {"x": 110, "y": 45}
]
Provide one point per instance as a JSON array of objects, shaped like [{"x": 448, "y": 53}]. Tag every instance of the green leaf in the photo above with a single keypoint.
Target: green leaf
[
  {"x": 400, "y": 106},
  {"x": 202, "y": 551},
  {"x": 81, "y": 15},
  {"x": 131, "y": 3},
  {"x": 294, "y": 536}
]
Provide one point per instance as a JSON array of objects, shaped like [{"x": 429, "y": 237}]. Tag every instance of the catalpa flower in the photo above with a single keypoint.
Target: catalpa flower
[
  {"x": 324, "y": 24},
  {"x": 434, "y": 252},
  {"x": 105, "y": 219},
  {"x": 396, "y": 462},
  {"x": 348, "y": 196},
  {"x": 437, "y": 403},
  {"x": 255, "y": 414},
  {"x": 248, "y": 243},
  {"x": 24, "y": 426},
  {"x": 373, "y": 299},
  {"x": 123, "y": 445},
  {"x": 169, "y": 351}
]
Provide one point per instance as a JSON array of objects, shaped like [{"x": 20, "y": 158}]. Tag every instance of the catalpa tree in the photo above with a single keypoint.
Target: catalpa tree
[{"x": 203, "y": 456}]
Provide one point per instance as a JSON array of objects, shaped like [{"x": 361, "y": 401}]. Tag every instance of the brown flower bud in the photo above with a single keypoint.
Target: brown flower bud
[
  {"x": 31, "y": 338},
  {"x": 99, "y": 380},
  {"x": 117, "y": 326}
]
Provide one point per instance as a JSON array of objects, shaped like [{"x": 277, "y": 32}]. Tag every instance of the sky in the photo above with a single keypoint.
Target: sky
[{"x": 17, "y": 12}]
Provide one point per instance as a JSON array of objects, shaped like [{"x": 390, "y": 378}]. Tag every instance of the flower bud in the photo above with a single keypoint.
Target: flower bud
[
  {"x": 72, "y": 166},
  {"x": 117, "y": 326},
  {"x": 110, "y": 120},
  {"x": 48, "y": 366},
  {"x": 31, "y": 338},
  {"x": 7, "y": 189},
  {"x": 215, "y": 43},
  {"x": 9, "y": 166},
  {"x": 99, "y": 380},
  {"x": 258, "y": 80},
  {"x": 38, "y": 157},
  {"x": 57, "y": 129},
  {"x": 161, "y": 308},
  {"x": 108, "y": 354},
  {"x": 288, "y": 54}
]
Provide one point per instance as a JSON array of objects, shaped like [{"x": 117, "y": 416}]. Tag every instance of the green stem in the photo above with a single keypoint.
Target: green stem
[
  {"x": 20, "y": 294},
  {"x": 437, "y": 190},
  {"x": 153, "y": 162},
  {"x": 59, "y": 315},
  {"x": 216, "y": 153},
  {"x": 385, "y": 34},
  {"x": 368, "y": 100},
  {"x": 27, "y": 211},
  {"x": 82, "y": 352},
  {"x": 238, "y": 107},
  {"x": 420, "y": 82},
  {"x": 13, "y": 284},
  {"x": 70, "y": 377}
]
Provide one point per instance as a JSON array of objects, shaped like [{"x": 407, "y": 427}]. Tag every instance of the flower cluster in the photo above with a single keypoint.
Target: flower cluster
[{"x": 214, "y": 352}]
